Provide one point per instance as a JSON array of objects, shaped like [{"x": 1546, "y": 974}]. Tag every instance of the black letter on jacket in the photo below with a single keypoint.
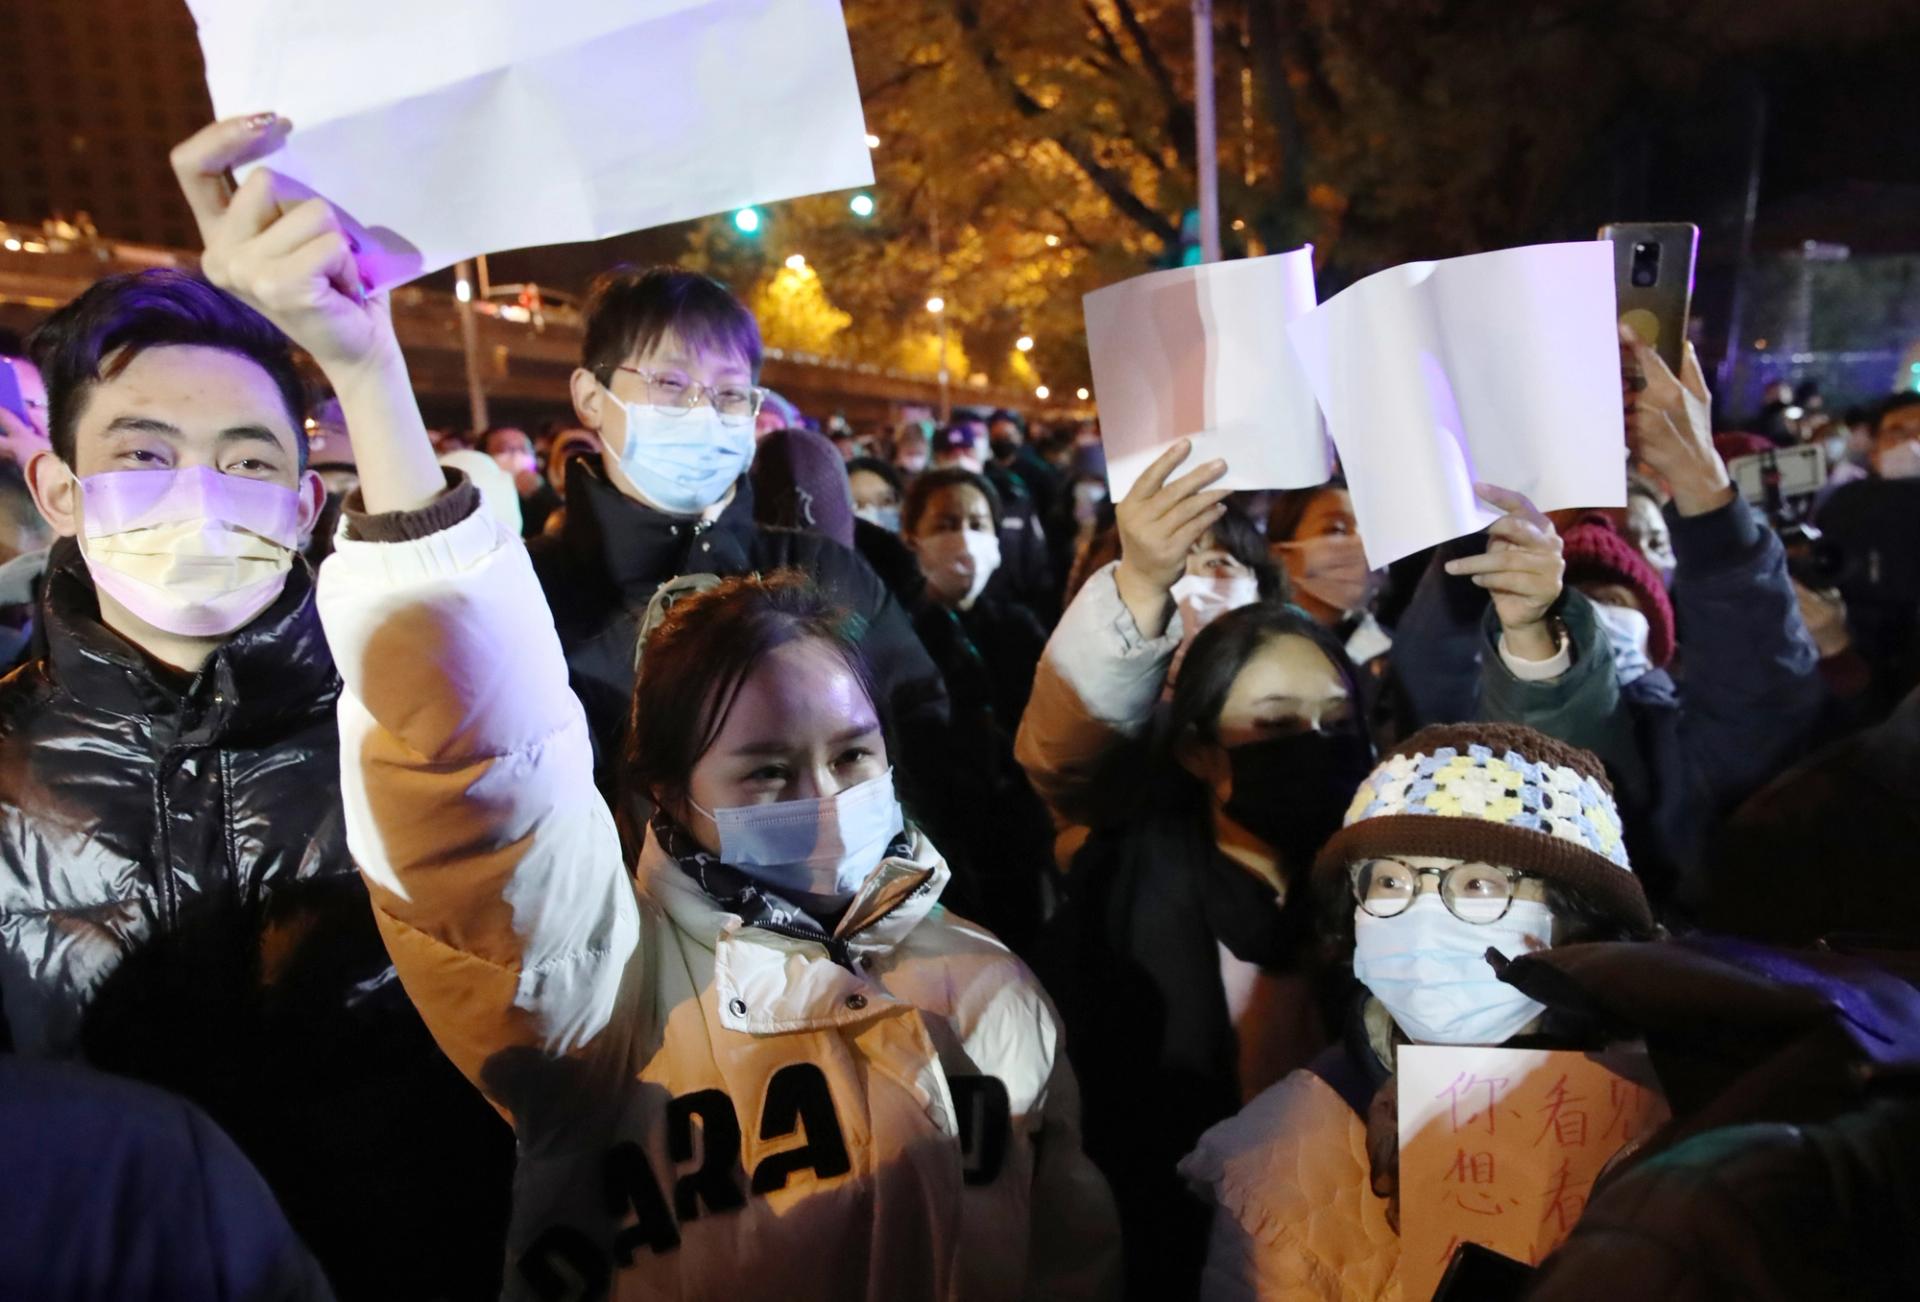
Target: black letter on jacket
[
  {"x": 797, "y": 1096},
  {"x": 713, "y": 1183},
  {"x": 630, "y": 1183},
  {"x": 563, "y": 1265},
  {"x": 986, "y": 1121}
]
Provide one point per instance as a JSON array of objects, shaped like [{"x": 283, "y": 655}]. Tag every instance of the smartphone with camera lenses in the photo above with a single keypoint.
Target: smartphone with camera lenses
[{"x": 1653, "y": 281}]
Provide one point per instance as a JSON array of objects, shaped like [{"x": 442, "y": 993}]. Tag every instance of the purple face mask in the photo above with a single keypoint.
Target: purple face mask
[{"x": 193, "y": 552}]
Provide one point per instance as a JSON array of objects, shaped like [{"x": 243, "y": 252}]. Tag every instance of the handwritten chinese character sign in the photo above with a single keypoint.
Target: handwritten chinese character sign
[{"x": 1501, "y": 1147}]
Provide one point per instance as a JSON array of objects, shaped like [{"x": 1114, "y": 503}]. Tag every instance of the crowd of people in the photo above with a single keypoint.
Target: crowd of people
[{"x": 684, "y": 853}]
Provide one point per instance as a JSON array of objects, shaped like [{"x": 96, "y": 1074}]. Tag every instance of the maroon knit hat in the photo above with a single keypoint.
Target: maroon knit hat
[
  {"x": 1597, "y": 553},
  {"x": 800, "y": 482},
  {"x": 1734, "y": 444}
]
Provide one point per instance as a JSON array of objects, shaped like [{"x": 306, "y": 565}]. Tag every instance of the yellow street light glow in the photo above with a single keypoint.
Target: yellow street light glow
[
  {"x": 873, "y": 141},
  {"x": 1043, "y": 393},
  {"x": 798, "y": 262},
  {"x": 1024, "y": 343},
  {"x": 13, "y": 246},
  {"x": 936, "y": 304},
  {"x": 463, "y": 291},
  {"x": 1053, "y": 241},
  {"x": 1082, "y": 394}
]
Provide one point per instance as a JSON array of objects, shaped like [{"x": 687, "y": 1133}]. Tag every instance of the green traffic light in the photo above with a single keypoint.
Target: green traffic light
[
  {"x": 747, "y": 220},
  {"x": 862, "y": 205}
]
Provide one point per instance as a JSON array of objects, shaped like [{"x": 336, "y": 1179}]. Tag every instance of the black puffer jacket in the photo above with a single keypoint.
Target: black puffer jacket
[{"x": 177, "y": 904}]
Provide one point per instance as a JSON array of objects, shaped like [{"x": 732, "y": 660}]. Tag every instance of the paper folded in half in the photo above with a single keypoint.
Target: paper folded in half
[
  {"x": 1202, "y": 353},
  {"x": 1500, "y": 368},
  {"x": 448, "y": 128}
]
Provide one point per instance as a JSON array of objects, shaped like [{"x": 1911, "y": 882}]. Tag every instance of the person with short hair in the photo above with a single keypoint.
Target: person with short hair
[
  {"x": 668, "y": 380},
  {"x": 174, "y": 751},
  {"x": 513, "y": 452}
]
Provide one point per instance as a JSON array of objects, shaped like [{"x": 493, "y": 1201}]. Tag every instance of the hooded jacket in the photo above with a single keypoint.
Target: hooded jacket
[
  {"x": 177, "y": 904},
  {"x": 612, "y": 554},
  {"x": 704, "y": 1106}
]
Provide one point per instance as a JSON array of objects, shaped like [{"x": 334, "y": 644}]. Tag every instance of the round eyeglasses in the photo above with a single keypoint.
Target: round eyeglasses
[
  {"x": 1473, "y": 892},
  {"x": 675, "y": 394}
]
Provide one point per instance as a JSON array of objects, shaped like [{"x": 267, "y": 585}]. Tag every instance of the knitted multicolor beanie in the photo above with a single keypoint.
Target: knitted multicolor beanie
[{"x": 1501, "y": 794}]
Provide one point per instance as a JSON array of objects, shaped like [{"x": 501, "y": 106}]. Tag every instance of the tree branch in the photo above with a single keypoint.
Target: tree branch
[
  {"x": 1073, "y": 143},
  {"x": 1180, "y": 126}
]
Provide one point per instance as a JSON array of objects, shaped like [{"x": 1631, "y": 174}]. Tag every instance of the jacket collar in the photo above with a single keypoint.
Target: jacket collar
[
  {"x": 274, "y": 669},
  {"x": 634, "y": 548},
  {"x": 767, "y": 982}
]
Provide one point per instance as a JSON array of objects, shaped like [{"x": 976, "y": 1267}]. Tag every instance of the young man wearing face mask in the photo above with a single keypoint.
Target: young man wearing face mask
[
  {"x": 1466, "y": 839},
  {"x": 668, "y": 380},
  {"x": 174, "y": 752}
]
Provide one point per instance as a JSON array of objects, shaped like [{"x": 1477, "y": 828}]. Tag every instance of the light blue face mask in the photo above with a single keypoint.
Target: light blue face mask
[
  {"x": 1430, "y": 969},
  {"x": 1628, "y": 635},
  {"x": 823, "y": 848},
  {"x": 683, "y": 461},
  {"x": 884, "y": 517}
]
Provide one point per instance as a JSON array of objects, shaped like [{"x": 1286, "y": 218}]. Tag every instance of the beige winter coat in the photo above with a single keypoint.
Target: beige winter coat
[{"x": 703, "y": 1109}]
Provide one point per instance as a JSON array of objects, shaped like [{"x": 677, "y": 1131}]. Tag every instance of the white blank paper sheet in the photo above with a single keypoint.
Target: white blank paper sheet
[
  {"x": 1500, "y": 368},
  {"x": 1203, "y": 353},
  {"x": 455, "y": 127}
]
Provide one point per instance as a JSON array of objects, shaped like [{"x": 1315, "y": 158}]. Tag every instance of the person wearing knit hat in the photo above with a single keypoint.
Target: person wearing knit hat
[
  {"x": 1466, "y": 842},
  {"x": 1628, "y": 596}
]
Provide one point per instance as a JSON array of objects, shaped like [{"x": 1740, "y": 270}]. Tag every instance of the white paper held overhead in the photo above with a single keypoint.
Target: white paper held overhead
[
  {"x": 1202, "y": 353},
  {"x": 449, "y": 128},
  {"x": 1499, "y": 368}
]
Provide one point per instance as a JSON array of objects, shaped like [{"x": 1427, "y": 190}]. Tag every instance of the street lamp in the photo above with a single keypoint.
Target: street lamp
[
  {"x": 1053, "y": 241},
  {"x": 873, "y": 141},
  {"x": 747, "y": 221},
  {"x": 798, "y": 262},
  {"x": 1082, "y": 394},
  {"x": 1024, "y": 343},
  {"x": 862, "y": 205},
  {"x": 1043, "y": 393},
  {"x": 936, "y": 305}
]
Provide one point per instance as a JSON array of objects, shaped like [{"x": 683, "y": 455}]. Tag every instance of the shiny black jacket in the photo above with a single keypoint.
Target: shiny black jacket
[{"x": 177, "y": 904}]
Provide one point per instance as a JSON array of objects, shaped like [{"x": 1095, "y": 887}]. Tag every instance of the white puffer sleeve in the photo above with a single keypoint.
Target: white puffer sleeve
[{"x": 467, "y": 776}]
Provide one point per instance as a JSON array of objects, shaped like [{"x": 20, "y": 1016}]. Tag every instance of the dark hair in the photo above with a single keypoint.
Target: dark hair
[
  {"x": 1889, "y": 405},
  {"x": 875, "y": 466},
  {"x": 1236, "y": 535},
  {"x": 1290, "y": 508},
  {"x": 117, "y": 318},
  {"x": 929, "y": 482},
  {"x": 1221, "y": 650},
  {"x": 630, "y": 308},
  {"x": 694, "y": 663}
]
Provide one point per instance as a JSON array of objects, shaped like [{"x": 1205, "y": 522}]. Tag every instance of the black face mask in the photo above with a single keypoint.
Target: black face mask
[
  {"x": 1293, "y": 791},
  {"x": 1004, "y": 447}
]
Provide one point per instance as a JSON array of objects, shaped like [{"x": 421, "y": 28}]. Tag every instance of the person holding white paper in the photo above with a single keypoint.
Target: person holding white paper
[
  {"x": 1184, "y": 962},
  {"x": 763, "y": 1057},
  {"x": 1465, "y": 839}
]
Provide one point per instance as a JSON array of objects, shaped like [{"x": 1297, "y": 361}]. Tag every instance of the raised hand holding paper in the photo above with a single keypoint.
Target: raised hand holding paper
[
  {"x": 1496, "y": 368},
  {"x": 1202, "y": 353},
  {"x": 455, "y": 127}
]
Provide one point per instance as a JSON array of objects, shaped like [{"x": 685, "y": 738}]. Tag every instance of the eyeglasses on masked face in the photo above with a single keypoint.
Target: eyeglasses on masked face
[{"x": 1478, "y": 893}]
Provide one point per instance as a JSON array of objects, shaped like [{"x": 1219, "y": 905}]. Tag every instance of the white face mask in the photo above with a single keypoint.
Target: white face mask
[
  {"x": 822, "y": 848},
  {"x": 1628, "y": 634},
  {"x": 1901, "y": 461},
  {"x": 1203, "y": 599},
  {"x": 685, "y": 461},
  {"x": 960, "y": 561},
  {"x": 1430, "y": 969}
]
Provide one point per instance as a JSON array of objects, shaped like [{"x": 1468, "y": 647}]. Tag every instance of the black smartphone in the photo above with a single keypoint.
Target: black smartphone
[
  {"x": 1653, "y": 282},
  {"x": 1479, "y": 1274}
]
